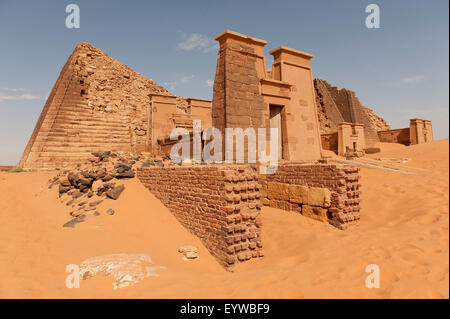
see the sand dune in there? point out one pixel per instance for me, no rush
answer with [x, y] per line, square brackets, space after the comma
[403, 229]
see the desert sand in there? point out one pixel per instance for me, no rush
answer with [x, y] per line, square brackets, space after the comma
[403, 229]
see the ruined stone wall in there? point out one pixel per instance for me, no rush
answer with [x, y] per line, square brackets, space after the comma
[325, 192]
[218, 203]
[395, 136]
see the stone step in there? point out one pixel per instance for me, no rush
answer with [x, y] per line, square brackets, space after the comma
[103, 144]
[88, 138]
[89, 121]
[64, 127]
[60, 138]
[87, 148]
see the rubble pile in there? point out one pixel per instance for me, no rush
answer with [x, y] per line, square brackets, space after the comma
[86, 185]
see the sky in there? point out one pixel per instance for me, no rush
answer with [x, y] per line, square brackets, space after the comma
[401, 70]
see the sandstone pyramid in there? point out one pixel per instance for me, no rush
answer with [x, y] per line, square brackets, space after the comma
[96, 104]
[341, 105]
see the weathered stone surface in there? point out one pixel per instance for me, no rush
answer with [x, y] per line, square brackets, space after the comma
[278, 191]
[298, 194]
[317, 213]
[114, 193]
[319, 197]
[189, 252]
[110, 211]
[96, 186]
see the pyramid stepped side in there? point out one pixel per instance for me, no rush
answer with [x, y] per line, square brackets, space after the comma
[341, 105]
[97, 104]
[68, 130]
[328, 112]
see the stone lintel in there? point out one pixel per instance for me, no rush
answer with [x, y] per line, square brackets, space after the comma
[288, 51]
[229, 35]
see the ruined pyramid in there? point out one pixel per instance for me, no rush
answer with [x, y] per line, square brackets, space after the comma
[96, 104]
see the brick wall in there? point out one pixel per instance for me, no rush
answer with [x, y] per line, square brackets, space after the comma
[339, 207]
[218, 203]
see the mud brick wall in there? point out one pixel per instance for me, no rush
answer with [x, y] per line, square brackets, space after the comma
[220, 204]
[395, 136]
[325, 192]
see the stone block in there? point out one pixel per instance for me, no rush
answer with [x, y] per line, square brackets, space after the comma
[277, 191]
[314, 212]
[298, 194]
[319, 197]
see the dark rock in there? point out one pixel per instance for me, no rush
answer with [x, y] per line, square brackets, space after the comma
[86, 182]
[90, 194]
[74, 221]
[82, 203]
[105, 154]
[115, 192]
[77, 194]
[63, 189]
[160, 164]
[125, 174]
[147, 164]
[107, 178]
[95, 203]
[110, 211]
[73, 178]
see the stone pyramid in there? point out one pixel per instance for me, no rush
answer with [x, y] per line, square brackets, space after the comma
[96, 104]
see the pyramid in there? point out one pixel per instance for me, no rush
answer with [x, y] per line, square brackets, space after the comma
[341, 105]
[96, 104]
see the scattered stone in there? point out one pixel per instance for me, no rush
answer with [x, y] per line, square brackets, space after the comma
[115, 192]
[63, 189]
[107, 178]
[95, 203]
[189, 252]
[110, 211]
[74, 221]
[96, 186]
[125, 174]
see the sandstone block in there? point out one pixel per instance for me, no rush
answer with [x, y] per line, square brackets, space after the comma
[277, 191]
[319, 197]
[298, 194]
[317, 213]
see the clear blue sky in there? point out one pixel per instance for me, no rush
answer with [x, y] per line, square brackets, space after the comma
[399, 70]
